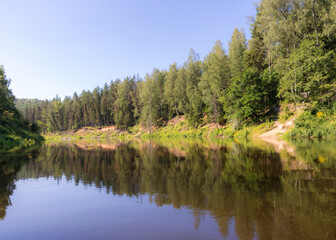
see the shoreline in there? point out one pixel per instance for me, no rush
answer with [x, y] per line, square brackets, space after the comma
[179, 127]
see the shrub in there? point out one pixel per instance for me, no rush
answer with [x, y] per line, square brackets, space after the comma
[310, 125]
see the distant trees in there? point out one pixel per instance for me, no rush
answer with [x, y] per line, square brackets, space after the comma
[289, 58]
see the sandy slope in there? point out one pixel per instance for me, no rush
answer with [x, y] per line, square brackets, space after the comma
[280, 128]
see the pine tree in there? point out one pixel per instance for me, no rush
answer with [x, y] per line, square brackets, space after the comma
[237, 48]
[193, 74]
[170, 91]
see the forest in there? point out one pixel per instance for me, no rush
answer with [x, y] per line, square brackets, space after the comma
[290, 59]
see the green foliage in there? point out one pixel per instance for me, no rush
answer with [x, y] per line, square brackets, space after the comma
[193, 77]
[124, 107]
[250, 96]
[154, 107]
[255, 55]
[309, 125]
[14, 129]
[310, 74]
[285, 114]
[237, 48]
[215, 80]
[171, 91]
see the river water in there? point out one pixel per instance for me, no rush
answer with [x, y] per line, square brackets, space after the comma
[171, 189]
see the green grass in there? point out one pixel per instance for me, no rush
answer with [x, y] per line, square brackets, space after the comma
[178, 131]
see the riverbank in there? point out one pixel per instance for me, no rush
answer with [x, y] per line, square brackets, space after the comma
[293, 123]
[13, 140]
[178, 127]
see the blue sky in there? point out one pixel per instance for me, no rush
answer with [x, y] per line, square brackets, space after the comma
[51, 47]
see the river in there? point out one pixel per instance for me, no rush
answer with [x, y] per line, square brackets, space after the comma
[170, 189]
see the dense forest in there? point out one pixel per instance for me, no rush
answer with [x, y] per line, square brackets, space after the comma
[290, 59]
[14, 129]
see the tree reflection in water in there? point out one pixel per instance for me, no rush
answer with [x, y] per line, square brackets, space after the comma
[10, 165]
[269, 193]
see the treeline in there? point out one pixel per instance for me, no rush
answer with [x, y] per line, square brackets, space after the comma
[290, 58]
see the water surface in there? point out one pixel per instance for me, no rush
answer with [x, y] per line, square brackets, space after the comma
[170, 190]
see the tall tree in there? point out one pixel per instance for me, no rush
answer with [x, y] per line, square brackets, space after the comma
[237, 47]
[78, 114]
[96, 103]
[256, 53]
[181, 91]
[152, 99]
[170, 90]
[193, 76]
[105, 111]
[214, 81]
[124, 109]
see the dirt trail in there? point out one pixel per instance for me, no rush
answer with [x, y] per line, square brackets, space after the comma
[280, 128]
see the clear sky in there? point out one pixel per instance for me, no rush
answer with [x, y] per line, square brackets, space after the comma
[50, 47]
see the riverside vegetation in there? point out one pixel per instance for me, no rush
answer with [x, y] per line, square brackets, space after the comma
[15, 131]
[289, 60]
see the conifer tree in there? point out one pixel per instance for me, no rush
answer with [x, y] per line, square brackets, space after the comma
[237, 48]
[215, 79]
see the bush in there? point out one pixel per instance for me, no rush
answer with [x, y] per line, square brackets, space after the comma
[309, 125]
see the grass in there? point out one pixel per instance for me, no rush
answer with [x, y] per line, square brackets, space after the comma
[286, 112]
[179, 130]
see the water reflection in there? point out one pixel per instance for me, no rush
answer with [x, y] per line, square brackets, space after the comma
[10, 165]
[270, 191]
